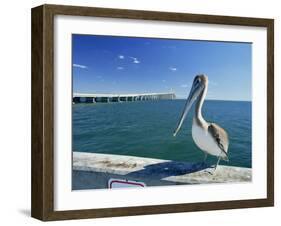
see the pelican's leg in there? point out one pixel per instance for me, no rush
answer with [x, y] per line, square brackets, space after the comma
[215, 167]
[219, 158]
[205, 165]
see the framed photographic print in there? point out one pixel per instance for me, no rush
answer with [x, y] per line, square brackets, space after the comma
[141, 112]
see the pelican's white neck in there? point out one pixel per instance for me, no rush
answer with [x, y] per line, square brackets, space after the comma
[198, 108]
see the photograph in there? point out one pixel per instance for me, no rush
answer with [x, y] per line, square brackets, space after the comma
[152, 111]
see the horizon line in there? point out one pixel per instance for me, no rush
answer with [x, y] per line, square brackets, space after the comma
[218, 100]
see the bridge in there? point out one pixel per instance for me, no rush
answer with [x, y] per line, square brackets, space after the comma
[106, 98]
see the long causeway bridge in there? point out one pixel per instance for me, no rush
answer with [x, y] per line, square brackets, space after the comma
[105, 98]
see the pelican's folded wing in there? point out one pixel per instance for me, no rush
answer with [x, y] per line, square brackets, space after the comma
[220, 136]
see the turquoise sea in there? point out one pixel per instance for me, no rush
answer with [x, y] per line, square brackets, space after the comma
[145, 129]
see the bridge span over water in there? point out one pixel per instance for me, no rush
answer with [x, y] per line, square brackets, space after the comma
[105, 98]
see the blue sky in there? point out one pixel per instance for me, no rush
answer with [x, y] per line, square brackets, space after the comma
[107, 64]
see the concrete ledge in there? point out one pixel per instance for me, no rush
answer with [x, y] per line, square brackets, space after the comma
[91, 170]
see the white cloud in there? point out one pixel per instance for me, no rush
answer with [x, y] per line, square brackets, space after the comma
[213, 83]
[121, 57]
[80, 66]
[119, 68]
[173, 68]
[135, 60]
[184, 85]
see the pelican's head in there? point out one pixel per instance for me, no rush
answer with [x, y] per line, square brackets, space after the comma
[199, 83]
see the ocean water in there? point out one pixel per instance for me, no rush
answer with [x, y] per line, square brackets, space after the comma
[146, 128]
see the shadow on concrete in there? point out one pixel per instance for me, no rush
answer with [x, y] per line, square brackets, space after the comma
[166, 169]
[151, 175]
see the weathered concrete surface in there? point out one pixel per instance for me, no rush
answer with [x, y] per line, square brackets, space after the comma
[91, 170]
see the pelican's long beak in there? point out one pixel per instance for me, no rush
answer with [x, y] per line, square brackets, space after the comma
[193, 94]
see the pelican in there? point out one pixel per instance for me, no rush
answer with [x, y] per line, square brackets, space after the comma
[208, 136]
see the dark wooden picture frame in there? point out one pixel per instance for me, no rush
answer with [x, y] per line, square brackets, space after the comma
[42, 203]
